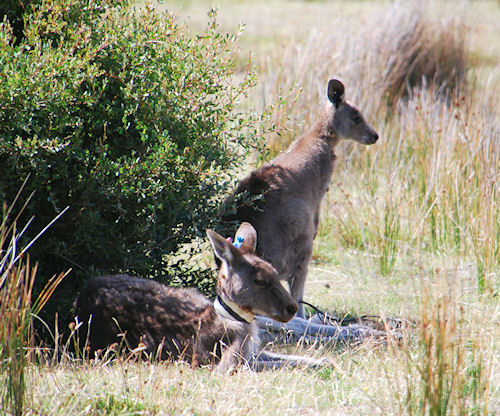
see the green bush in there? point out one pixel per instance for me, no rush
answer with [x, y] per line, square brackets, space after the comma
[13, 10]
[127, 118]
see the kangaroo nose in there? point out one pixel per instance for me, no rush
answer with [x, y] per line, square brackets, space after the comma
[291, 309]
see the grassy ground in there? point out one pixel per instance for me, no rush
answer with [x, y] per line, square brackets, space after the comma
[410, 227]
[366, 379]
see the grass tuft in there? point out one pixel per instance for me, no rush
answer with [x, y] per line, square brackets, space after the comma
[413, 50]
[17, 277]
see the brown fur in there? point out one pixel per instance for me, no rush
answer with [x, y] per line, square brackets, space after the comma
[282, 199]
[181, 323]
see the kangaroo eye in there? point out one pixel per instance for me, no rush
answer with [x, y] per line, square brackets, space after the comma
[357, 119]
[259, 282]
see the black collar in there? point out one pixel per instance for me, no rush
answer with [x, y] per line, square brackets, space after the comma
[229, 310]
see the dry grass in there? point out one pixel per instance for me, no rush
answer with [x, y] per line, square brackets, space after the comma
[449, 368]
[410, 226]
[158, 389]
[381, 60]
[430, 187]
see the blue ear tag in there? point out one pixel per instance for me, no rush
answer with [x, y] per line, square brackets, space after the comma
[238, 242]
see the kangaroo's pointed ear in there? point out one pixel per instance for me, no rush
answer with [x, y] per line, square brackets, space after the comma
[246, 238]
[223, 248]
[336, 92]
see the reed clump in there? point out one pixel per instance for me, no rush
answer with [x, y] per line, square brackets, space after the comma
[411, 49]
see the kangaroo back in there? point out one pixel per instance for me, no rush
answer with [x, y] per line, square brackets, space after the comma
[128, 310]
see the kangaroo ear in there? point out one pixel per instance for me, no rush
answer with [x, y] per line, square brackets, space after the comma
[336, 92]
[246, 238]
[223, 248]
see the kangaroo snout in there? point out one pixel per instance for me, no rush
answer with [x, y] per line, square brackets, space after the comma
[288, 312]
[292, 309]
[373, 138]
[369, 136]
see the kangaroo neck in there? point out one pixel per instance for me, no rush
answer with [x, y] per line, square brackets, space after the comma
[316, 141]
[313, 151]
[230, 310]
[323, 130]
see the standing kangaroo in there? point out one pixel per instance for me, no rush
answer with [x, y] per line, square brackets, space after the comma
[282, 199]
[181, 323]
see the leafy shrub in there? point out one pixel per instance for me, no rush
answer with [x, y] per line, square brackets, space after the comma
[126, 118]
[14, 10]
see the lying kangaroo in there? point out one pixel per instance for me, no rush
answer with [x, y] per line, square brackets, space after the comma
[181, 323]
[282, 199]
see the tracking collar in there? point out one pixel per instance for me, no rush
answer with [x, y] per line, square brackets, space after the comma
[231, 310]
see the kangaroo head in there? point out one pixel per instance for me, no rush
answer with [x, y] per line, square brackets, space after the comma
[247, 280]
[347, 121]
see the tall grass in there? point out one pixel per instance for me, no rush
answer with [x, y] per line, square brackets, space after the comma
[446, 369]
[17, 277]
[15, 335]
[394, 51]
[431, 185]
